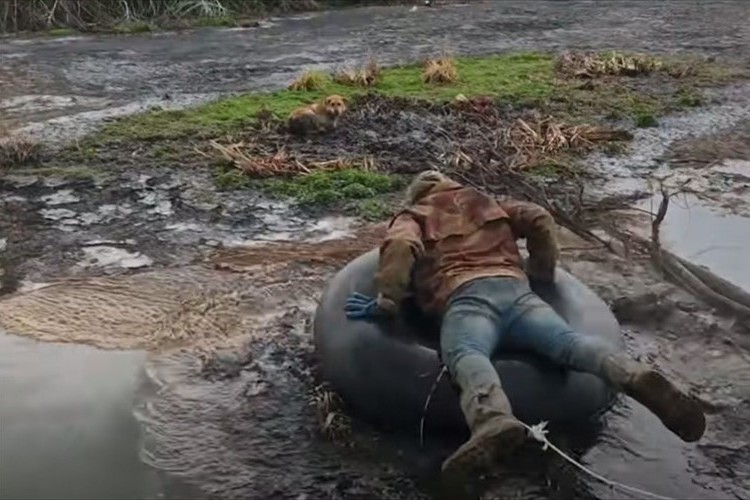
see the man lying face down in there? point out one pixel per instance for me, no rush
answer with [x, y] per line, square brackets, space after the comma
[453, 249]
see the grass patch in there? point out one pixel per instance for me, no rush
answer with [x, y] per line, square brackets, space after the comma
[646, 120]
[517, 78]
[374, 209]
[327, 188]
[322, 188]
[80, 173]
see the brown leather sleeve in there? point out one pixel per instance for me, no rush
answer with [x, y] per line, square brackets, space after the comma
[400, 249]
[535, 224]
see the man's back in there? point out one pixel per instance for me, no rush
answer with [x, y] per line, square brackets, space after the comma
[466, 235]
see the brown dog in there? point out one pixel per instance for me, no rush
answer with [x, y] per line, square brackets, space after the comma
[317, 117]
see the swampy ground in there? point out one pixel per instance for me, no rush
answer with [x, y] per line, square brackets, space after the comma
[159, 242]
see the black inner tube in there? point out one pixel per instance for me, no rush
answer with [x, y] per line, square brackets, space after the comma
[385, 372]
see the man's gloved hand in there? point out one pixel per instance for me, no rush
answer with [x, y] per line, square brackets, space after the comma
[360, 306]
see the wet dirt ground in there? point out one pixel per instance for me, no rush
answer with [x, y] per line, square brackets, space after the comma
[233, 419]
[72, 82]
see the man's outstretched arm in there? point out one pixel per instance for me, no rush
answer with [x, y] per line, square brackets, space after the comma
[400, 249]
[535, 224]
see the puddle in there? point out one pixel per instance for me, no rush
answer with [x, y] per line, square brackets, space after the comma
[68, 429]
[637, 451]
[707, 236]
[710, 235]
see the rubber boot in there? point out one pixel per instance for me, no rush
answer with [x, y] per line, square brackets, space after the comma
[495, 432]
[678, 411]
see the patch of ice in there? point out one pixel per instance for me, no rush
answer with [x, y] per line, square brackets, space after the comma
[62, 197]
[106, 256]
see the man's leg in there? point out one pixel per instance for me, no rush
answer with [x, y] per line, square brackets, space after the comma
[534, 325]
[469, 335]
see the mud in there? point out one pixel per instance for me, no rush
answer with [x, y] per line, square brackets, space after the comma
[62, 87]
[231, 414]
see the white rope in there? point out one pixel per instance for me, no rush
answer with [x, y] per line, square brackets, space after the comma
[539, 433]
[427, 404]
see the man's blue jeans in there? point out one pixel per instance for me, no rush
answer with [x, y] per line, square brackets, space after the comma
[488, 314]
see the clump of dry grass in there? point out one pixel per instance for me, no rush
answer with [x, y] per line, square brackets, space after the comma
[539, 137]
[258, 163]
[18, 150]
[367, 76]
[309, 80]
[333, 422]
[590, 65]
[440, 71]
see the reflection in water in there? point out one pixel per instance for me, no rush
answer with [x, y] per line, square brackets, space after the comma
[708, 237]
[67, 425]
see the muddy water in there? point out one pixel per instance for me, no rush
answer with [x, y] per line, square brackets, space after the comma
[68, 429]
[59, 86]
[714, 229]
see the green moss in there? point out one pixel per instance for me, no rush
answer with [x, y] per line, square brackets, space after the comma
[646, 120]
[131, 28]
[63, 172]
[230, 178]
[516, 78]
[688, 98]
[374, 209]
[60, 32]
[327, 188]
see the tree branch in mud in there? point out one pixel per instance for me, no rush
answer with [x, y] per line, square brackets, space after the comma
[698, 280]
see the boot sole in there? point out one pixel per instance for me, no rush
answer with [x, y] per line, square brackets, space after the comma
[679, 412]
[481, 453]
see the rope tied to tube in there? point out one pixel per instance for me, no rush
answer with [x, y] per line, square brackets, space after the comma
[539, 433]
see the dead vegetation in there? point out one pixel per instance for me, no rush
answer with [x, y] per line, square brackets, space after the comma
[408, 135]
[591, 65]
[366, 76]
[540, 138]
[257, 162]
[18, 150]
[333, 423]
[308, 81]
[440, 71]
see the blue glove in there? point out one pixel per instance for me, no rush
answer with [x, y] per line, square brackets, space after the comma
[359, 306]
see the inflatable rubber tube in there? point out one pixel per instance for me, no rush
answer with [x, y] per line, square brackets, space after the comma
[386, 376]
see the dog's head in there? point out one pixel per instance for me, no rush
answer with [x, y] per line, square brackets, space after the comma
[335, 105]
